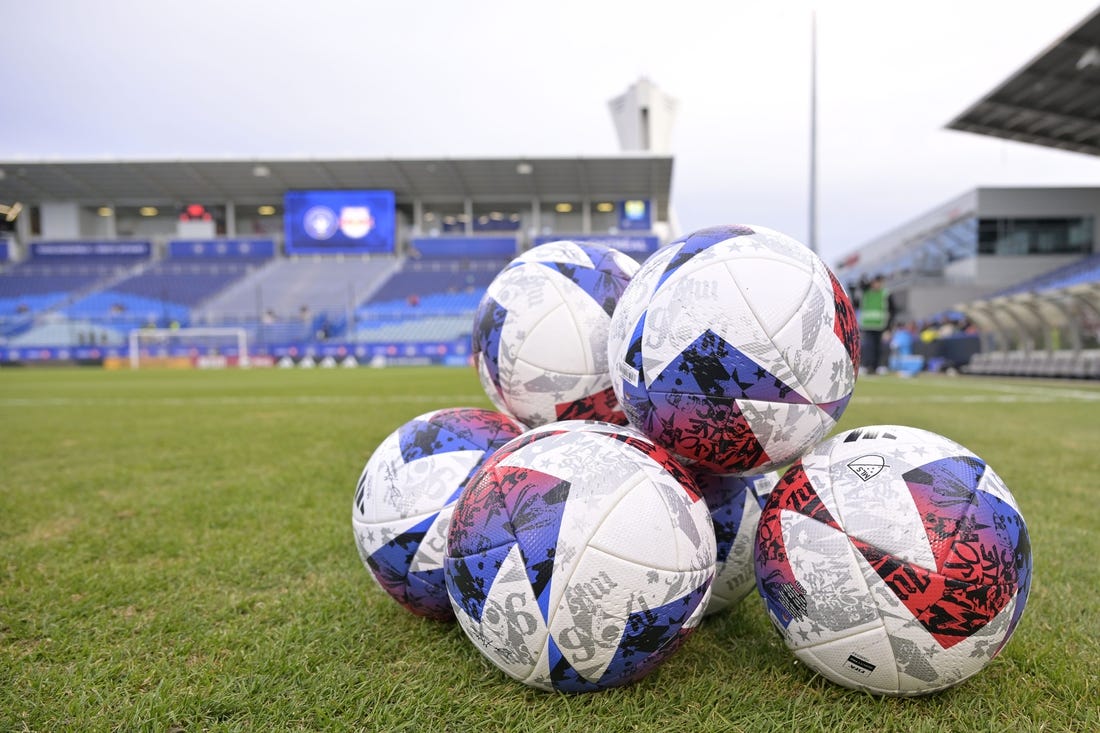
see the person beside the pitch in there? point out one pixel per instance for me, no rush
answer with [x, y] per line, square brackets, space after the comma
[875, 307]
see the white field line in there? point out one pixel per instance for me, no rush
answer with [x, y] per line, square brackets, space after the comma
[973, 399]
[1017, 392]
[443, 400]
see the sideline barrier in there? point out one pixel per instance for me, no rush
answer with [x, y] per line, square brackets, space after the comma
[443, 353]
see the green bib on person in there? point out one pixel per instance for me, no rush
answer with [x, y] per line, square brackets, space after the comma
[872, 311]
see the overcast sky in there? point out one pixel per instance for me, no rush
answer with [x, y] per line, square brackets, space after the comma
[253, 79]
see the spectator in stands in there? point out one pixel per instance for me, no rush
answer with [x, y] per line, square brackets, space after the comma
[930, 332]
[902, 339]
[876, 309]
[324, 330]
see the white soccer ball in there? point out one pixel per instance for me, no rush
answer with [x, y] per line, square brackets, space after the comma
[735, 348]
[579, 557]
[540, 333]
[405, 496]
[734, 503]
[893, 560]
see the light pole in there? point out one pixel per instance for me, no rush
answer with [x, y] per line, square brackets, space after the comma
[812, 238]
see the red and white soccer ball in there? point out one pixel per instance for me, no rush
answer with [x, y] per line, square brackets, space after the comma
[893, 560]
[735, 348]
[579, 557]
[540, 333]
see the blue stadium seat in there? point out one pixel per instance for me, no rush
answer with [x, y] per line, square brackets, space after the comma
[1085, 270]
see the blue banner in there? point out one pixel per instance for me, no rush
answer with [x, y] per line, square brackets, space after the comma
[637, 246]
[218, 248]
[634, 215]
[450, 353]
[5, 252]
[41, 250]
[458, 247]
[25, 354]
[348, 222]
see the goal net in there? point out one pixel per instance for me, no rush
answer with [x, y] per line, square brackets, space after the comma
[188, 347]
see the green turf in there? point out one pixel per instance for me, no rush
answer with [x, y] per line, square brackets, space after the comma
[176, 554]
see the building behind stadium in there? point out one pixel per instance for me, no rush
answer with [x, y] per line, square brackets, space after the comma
[1017, 267]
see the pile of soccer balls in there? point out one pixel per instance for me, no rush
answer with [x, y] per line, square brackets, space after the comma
[626, 486]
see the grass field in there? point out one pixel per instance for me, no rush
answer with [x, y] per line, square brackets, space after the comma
[176, 554]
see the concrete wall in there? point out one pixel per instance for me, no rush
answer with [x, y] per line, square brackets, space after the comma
[999, 271]
[922, 301]
[60, 219]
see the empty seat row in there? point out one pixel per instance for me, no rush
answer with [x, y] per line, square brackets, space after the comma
[1065, 364]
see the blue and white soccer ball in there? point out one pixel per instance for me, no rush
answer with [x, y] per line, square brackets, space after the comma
[893, 560]
[540, 333]
[734, 503]
[405, 496]
[735, 348]
[579, 557]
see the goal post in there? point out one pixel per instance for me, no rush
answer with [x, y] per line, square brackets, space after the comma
[227, 345]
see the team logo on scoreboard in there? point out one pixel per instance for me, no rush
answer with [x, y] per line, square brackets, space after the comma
[356, 221]
[320, 222]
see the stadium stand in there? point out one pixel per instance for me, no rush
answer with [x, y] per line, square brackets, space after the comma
[1082, 271]
[426, 300]
[431, 328]
[36, 286]
[367, 260]
[65, 332]
[285, 285]
[162, 293]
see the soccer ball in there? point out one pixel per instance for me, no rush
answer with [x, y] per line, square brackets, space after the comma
[579, 557]
[735, 348]
[893, 560]
[540, 333]
[406, 494]
[734, 503]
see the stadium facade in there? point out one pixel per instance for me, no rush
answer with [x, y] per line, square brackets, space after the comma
[521, 198]
[976, 244]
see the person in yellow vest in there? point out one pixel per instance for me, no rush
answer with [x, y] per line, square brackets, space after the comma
[875, 307]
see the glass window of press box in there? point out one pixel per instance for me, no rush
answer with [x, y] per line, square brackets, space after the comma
[1069, 235]
[447, 219]
[561, 217]
[259, 219]
[498, 218]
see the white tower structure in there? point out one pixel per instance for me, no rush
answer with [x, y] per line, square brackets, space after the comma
[643, 118]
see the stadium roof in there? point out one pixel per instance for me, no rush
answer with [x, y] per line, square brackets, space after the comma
[1054, 100]
[439, 179]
